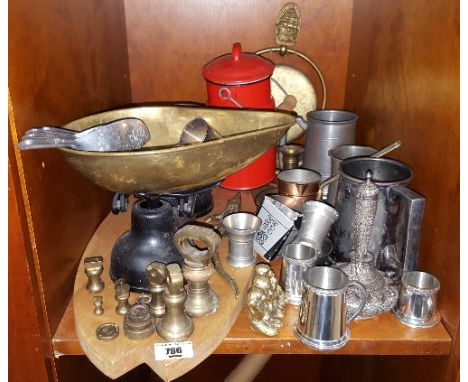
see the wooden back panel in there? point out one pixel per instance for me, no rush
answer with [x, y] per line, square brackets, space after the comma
[170, 42]
[66, 60]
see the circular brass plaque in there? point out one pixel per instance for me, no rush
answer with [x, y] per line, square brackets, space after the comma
[287, 80]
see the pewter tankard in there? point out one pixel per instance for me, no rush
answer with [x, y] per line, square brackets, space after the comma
[326, 129]
[322, 317]
[417, 305]
[396, 231]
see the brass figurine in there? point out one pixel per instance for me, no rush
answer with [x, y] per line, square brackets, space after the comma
[288, 25]
[98, 309]
[175, 325]
[122, 294]
[198, 268]
[157, 275]
[94, 267]
[265, 302]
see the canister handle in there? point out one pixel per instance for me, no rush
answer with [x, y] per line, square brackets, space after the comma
[413, 213]
[363, 296]
[225, 95]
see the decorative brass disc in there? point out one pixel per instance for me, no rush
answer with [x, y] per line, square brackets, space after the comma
[287, 80]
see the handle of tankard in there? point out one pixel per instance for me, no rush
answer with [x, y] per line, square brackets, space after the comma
[363, 296]
[411, 217]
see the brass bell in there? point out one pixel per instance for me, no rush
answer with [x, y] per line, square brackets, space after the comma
[175, 325]
[198, 268]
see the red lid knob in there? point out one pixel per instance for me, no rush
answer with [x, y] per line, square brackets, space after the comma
[236, 51]
[238, 68]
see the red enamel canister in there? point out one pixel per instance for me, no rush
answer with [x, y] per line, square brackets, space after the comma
[242, 80]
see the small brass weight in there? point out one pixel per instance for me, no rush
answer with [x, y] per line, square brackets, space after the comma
[122, 294]
[157, 275]
[98, 309]
[94, 267]
[175, 325]
[198, 268]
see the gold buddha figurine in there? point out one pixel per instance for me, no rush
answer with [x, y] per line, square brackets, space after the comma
[265, 302]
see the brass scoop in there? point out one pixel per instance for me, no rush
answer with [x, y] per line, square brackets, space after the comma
[120, 135]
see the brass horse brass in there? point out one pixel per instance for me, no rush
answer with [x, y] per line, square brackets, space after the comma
[288, 25]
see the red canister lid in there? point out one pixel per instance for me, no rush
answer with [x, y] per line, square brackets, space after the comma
[238, 68]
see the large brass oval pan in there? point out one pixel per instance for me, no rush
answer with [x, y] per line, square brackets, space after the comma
[159, 167]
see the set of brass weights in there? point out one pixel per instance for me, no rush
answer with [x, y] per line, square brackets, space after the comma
[169, 301]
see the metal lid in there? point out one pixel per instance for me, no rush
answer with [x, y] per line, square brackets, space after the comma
[238, 68]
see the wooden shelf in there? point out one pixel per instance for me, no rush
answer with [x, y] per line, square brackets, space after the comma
[380, 336]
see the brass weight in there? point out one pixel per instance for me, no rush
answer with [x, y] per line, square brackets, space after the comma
[175, 325]
[157, 275]
[198, 268]
[94, 267]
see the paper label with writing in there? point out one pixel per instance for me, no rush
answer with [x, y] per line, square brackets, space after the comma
[173, 350]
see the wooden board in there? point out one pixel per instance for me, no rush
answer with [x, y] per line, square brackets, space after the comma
[116, 357]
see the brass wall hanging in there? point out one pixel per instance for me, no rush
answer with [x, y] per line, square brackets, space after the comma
[287, 80]
[288, 25]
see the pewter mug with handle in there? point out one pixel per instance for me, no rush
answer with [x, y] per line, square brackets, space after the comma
[322, 322]
[417, 304]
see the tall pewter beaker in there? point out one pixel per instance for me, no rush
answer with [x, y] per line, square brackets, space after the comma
[326, 129]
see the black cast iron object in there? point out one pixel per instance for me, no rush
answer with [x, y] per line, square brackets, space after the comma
[149, 239]
[154, 220]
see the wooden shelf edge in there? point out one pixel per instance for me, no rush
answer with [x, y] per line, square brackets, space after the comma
[366, 339]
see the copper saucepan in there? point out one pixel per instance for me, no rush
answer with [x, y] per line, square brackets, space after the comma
[299, 182]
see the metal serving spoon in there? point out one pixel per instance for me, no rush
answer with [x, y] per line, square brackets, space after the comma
[120, 135]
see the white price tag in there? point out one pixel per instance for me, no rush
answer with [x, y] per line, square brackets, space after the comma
[173, 350]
